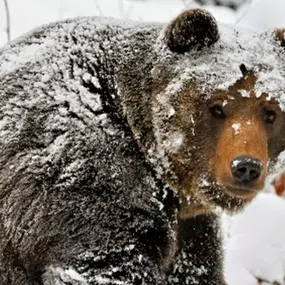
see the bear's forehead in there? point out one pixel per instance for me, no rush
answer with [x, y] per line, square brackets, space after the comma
[218, 67]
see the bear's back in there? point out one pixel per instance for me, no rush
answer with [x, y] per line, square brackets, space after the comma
[67, 154]
[59, 94]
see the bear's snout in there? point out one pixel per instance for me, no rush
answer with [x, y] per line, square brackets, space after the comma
[246, 171]
[240, 162]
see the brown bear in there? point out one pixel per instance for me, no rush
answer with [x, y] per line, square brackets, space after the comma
[119, 142]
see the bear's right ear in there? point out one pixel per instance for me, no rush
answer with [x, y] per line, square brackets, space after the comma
[192, 29]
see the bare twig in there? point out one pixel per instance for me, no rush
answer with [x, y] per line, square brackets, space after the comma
[186, 3]
[98, 8]
[121, 8]
[8, 23]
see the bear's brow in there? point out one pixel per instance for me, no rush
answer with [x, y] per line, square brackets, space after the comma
[220, 97]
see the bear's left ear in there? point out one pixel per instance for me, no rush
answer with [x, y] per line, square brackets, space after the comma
[192, 29]
[279, 35]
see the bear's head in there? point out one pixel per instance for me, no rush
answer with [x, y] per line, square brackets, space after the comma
[217, 102]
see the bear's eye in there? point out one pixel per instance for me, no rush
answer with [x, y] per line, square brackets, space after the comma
[218, 112]
[269, 116]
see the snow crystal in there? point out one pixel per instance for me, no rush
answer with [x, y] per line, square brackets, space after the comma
[235, 163]
[57, 275]
[281, 156]
[236, 127]
[163, 99]
[174, 141]
[225, 102]
[204, 183]
[104, 280]
[87, 77]
[174, 87]
[46, 78]
[129, 247]
[74, 275]
[30, 53]
[165, 192]
[95, 82]
[160, 204]
[201, 270]
[244, 93]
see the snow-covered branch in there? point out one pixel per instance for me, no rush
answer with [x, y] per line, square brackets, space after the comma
[8, 24]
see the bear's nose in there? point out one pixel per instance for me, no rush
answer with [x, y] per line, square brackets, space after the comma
[246, 170]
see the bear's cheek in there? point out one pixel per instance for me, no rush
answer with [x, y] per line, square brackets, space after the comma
[189, 161]
[240, 139]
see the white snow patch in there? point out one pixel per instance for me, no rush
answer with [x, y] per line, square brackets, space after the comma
[46, 78]
[168, 109]
[129, 247]
[104, 280]
[174, 141]
[236, 127]
[244, 93]
[60, 276]
[204, 183]
[74, 275]
[29, 53]
[235, 163]
[255, 243]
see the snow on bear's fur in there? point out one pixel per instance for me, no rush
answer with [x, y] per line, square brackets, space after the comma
[117, 143]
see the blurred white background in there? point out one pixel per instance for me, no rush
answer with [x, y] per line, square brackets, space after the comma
[27, 14]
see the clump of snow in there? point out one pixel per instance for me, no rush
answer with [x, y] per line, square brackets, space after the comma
[59, 276]
[244, 93]
[204, 183]
[12, 61]
[104, 280]
[237, 128]
[163, 99]
[174, 141]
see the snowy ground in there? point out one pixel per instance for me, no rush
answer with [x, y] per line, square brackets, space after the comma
[255, 242]
[255, 239]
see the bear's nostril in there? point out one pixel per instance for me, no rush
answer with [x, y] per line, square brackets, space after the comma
[246, 170]
[253, 174]
[240, 171]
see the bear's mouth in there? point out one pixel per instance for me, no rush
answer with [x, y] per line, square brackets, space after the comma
[230, 197]
[241, 190]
